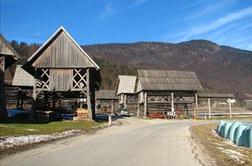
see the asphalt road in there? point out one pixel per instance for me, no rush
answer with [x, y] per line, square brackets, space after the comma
[135, 143]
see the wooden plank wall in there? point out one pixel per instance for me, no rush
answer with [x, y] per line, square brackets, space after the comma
[62, 53]
[61, 79]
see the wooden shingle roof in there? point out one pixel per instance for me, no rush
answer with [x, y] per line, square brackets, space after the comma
[8, 52]
[161, 80]
[126, 84]
[22, 78]
[105, 94]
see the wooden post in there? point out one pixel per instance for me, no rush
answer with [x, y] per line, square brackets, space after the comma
[196, 105]
[22, 100]
[90, 115]
[145, 104]
[209, 108]
[96, 106]
[54, 102]
[60, 102]
[18, 99]
[46, 104]
[229, 107]
[124, 101]
[110, 120]
[34, 98]
[172, 101]
[112, 107]
[3, 111]
[138, 109]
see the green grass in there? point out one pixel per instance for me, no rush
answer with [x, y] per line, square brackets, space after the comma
[18, 129]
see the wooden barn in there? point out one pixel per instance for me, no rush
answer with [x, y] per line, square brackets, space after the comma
[106, 101]
[126, 93]
[21, 90]
[165, 92]
[62, 69]
[8, 56]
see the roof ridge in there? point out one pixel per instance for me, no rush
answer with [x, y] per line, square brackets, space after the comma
[61, 28]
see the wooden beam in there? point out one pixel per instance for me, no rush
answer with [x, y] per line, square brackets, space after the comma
[209, 108]
[125, 101]
[3, 111]
[112, 106]
[145, 104]
[54, 101]
[138, 109]
[90, 113]
[196, 106]
[22, 101]
[96, 106]
[172, 101]
[230, 108]
[34, 98]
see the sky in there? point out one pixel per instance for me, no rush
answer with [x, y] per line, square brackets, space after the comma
[225, 22]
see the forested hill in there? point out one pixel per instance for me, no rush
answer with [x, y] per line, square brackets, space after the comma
[219, 68]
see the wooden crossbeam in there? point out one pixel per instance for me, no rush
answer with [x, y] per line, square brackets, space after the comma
[43, 85]
[45, 73]
[82, 79]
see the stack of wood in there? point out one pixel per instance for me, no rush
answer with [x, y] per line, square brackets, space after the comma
[44, 116]
[81, 114]
[157, 115]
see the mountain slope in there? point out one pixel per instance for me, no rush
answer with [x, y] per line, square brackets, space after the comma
[219, 68]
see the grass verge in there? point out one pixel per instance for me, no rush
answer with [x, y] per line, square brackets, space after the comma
[18, 129]
[223, 152]
[235, 117]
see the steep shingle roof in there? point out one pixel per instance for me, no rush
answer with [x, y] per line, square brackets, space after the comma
[8, 52]
[126, 84]
[105, 94]
[158, 80]
[22, 78]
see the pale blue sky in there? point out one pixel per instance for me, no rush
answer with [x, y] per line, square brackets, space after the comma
[226, 22]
